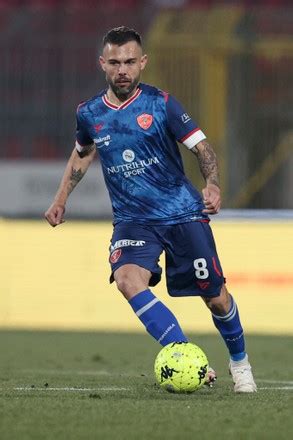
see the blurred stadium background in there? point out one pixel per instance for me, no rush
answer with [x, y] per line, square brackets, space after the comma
[230, 63]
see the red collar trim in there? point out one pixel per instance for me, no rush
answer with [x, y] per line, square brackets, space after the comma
[125, 104]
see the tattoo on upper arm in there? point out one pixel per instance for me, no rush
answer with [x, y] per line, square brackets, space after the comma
[207, 162]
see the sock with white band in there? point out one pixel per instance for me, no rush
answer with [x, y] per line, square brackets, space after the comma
[231, 331]
[157, 318]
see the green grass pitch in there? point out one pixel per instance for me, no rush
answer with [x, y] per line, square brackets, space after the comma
[74, 385]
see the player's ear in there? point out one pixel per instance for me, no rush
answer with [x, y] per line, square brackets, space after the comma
[102, 62]
[143, 61]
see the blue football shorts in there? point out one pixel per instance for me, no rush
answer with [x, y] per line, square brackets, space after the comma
[192, 264]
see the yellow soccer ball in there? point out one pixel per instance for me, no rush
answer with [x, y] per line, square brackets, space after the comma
[181, 367]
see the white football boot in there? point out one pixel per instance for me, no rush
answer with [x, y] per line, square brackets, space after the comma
[242, 376]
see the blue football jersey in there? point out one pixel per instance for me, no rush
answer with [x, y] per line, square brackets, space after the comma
[141, 162]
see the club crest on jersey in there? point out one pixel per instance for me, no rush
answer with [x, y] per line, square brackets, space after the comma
[145, 121]
[114, 257]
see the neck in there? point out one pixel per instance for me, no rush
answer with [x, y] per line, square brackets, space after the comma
[119, 99]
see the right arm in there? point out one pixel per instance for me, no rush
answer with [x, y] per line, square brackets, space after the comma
[76, 168]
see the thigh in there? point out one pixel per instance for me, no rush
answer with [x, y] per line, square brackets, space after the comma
[192, 263]
[135, 244]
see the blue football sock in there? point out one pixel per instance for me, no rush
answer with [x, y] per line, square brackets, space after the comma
[231, 331]
[157, 318]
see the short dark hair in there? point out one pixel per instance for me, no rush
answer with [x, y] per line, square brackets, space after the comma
[121, 35]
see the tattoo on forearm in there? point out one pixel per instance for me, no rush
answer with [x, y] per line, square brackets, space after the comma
[207, 162]
[75, 177]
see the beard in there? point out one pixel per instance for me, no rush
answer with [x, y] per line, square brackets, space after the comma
[123, 92]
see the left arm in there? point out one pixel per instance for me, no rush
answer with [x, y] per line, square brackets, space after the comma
[208, 166]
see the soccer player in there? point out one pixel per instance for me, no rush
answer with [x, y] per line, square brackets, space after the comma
[135, 128]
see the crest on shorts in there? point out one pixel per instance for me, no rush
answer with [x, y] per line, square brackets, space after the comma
[115, 255]
[145, 121]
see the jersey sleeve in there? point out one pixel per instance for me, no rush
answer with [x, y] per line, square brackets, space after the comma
[181, 125]
[83, 140]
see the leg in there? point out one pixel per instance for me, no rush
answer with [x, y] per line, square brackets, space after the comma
[193, 268]
[226, 319]
[158, 319]
[132, 281]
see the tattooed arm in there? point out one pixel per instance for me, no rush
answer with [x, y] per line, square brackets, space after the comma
[76, 168]
[209, 169]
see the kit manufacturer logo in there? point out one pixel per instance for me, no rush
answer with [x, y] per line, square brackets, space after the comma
[103, 141]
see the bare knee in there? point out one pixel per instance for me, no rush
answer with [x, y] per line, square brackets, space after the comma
[131, 279]
[219, 305]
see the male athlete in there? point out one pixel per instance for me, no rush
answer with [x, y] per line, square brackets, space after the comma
[134, 127]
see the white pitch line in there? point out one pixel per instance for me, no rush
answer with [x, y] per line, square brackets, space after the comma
[258, 380]
[70, 389]
[70, 372]
[288, 382]
[107, 373]
[276, 388]
[110, 389]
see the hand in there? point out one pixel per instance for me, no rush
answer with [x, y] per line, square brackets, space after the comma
[54, 215]
[211, 199]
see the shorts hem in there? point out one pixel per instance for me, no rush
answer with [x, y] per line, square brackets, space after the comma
[178, 293]
[154, 279]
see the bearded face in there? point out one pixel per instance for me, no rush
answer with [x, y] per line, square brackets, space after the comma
[123, 66]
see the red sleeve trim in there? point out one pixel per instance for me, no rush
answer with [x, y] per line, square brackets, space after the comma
[189, 134]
